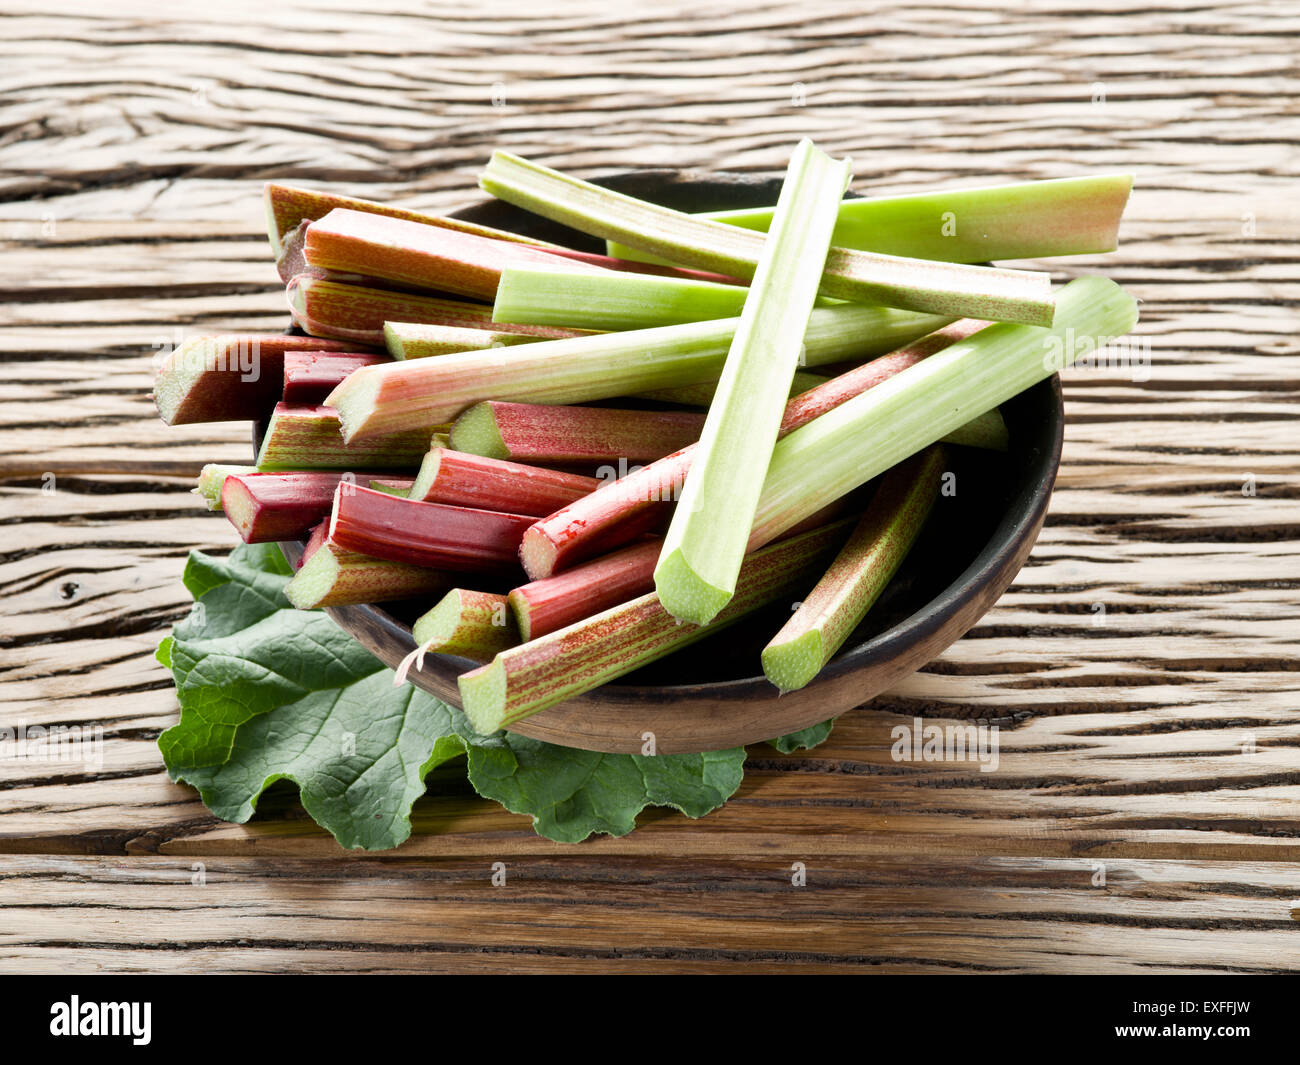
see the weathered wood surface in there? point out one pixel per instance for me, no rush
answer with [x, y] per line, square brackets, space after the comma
[1144, 665]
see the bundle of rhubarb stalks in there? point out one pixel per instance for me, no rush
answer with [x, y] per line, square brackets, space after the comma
[584, 462]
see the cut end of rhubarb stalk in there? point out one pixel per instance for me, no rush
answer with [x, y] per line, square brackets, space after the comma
[467, 623]
[240, 506]
[537, 554]
[313, 582]
[483, 697]
[212, 480]
[476, 432]
[355, 400]
[684, 593]
[793, 664]
[427, 474]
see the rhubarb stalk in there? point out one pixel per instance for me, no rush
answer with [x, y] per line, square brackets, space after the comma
[411, 340]
[912, 284]
[705, 544]
[465, 480]
[860, 572]
[877, 429]
[333, 576]
[310, 376]
[571, 534]
[309, 438]
[235, 377]
[287, 207]
[1025, 220]
[212, 479]
[564, 435]
[545, 671]
[410, 395]
[357, 313]
[541, 607]
[425, 534]
[467, 623]
[417, 255]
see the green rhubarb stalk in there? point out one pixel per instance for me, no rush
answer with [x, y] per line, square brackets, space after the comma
[912, 284]
[412, 340]
[1025, 220]
[421, 392]
[705, 543]
[334, 576]
[572, 660]
[610, 300]
[701, 395]
[308, 438]
[852, 443]
[212, 478]
[866, 564]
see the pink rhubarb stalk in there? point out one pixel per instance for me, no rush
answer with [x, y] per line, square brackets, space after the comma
[463, 480]
[536, 432]
[266, 507]
[234, 377]
[287, 207]
[310, 376]
[425, 534]
[417, 255]
[358, 313]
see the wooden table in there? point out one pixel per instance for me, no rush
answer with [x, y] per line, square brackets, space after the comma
[1143, 668]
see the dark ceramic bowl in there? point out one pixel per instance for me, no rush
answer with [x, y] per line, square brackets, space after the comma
[713, 695]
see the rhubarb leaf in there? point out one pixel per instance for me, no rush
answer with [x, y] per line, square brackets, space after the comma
[268, 693]
[572, 794]
[804, 739]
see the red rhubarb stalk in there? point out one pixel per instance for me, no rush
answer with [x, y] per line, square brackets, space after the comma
[536, 432]
[463, 480]
[358, 313]
[235, 377]
[592, 524]
[543, 606]
[425, 534]
[266, 507]
[310, 376]
[417, 255]
[287, 207]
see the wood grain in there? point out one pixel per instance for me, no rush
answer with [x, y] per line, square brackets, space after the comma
[1143, 667]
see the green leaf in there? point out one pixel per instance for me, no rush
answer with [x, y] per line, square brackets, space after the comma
[804, 739]
[268, 693]
[358, 753]
[571, 794]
